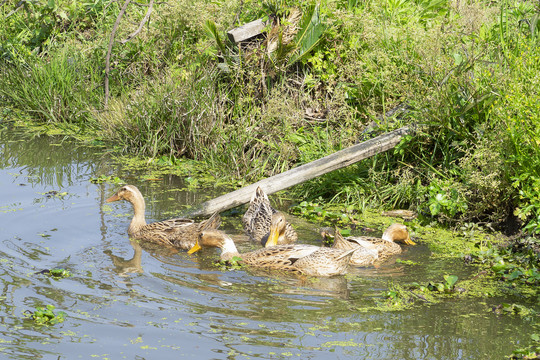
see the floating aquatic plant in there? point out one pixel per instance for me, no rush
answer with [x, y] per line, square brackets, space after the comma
[447, 286]
[56, 273]
[406, 262]
[234, 264]
[106, 179]
[531, 352]
[45, 315]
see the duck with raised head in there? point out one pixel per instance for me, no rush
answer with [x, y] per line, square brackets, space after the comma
[179, 232]
[384, 247]
[261, 217]
[302, 259]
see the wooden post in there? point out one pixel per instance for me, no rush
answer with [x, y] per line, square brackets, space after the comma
[304, 172]
[246, 31]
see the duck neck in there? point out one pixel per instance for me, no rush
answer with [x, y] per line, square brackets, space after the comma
[138, 220]
[387, 236]
[228, 249]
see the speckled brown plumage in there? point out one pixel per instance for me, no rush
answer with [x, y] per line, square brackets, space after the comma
[385, 247]
[260, 216]
[362, 256]
[179, 232]
[298, 258]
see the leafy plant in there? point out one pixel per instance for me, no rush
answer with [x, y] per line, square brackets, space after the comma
[309, 35]
[318, 213]
[518, 263]
[60, 273]
[56, 273]
[444, 199]
[234, 264]
[531, 352]
[45, 315]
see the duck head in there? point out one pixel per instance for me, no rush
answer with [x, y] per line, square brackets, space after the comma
[129, 193]
[277, 229]
[398, 233]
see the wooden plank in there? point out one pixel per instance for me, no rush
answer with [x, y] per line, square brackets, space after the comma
[246, 31]
[304, 172]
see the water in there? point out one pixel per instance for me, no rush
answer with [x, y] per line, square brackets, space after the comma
[134, 301]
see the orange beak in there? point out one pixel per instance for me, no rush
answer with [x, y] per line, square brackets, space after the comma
[408, 241]
[195, 248]
[272, 237]
[115, 197]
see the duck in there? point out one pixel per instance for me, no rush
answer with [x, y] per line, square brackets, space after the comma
[301, 259]
[362, 256]
[178, 232]
[261, 217]
[385, 247]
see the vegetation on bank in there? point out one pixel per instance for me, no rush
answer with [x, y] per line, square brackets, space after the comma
[463, 74]
[327, 75]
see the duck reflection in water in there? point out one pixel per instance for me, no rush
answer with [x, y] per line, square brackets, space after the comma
[125, 267]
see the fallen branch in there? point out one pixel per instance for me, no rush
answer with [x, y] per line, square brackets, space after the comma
[305, 172]
[144, 20]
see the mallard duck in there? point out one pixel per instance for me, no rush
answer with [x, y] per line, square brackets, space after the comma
[298, 258]
[261, 217]
[179, 232]
[385, 246]
[362, 256]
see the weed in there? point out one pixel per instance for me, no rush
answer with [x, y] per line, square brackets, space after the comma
[106, 179]
[45, 315]
[234, 264]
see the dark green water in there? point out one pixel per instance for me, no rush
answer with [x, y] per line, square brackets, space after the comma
[128, 302]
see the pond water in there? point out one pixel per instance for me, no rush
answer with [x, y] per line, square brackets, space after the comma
[127, 300]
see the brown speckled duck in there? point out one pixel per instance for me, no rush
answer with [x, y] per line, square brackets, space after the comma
[362, 256]
[297, 258]
[179, 232]
[260, 218]
[385, 246]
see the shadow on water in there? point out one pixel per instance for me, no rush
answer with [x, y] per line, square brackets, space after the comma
[136, 300]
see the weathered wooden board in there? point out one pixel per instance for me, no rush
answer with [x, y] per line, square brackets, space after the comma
[246, 31]
[305, 172]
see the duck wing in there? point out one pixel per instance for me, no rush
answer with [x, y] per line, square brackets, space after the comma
[258, 216]
[325, 262]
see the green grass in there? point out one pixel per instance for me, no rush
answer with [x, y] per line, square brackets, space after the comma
[464, 74]
[59, 89]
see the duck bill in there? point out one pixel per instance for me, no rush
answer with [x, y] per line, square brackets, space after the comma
[408, 241]
[195, 248]
[115, 197]
[272, 238]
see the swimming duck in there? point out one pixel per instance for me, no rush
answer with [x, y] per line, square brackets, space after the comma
[362, 256]
[385, 246]
[261, 217]
[298, 258]
[179, 232]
